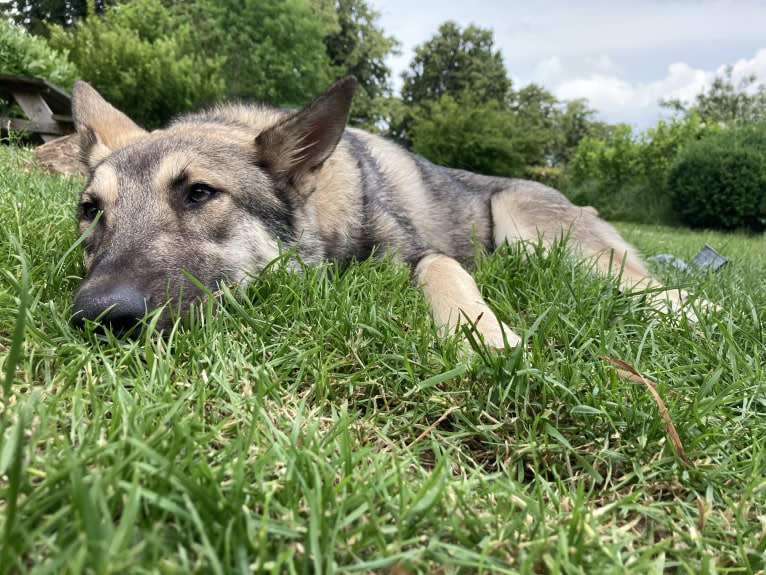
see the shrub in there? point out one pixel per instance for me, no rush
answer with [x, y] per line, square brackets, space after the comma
[466, 134]
[549, 175]
[612, 162]
[24, 54]
[720, 182]
[624, 174]
[142, 60]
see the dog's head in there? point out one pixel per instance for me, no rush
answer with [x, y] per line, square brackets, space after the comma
[171, 214]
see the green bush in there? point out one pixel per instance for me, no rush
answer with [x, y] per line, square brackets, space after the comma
[606, 173]
[624, 174]
[466, 134]
[720, 182]
[142, 60]
[24, 54]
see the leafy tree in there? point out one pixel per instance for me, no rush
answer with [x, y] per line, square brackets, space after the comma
[24, 54]
[573, 123]
[624, 174]
[37, 15]
[662, 144]
[286, 51]
[272, 50]
[142, 59]
[454, 62]
[357, 45]
[467, 134]
[727, 103]
[536, 111]
[464, 64]
[614, 162]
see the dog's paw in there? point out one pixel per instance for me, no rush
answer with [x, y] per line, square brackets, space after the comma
[492, 331]
[680, 302]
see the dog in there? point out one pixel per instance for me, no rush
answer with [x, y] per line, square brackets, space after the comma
[169, 216]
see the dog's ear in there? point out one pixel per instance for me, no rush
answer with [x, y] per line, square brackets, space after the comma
[303, 141]
[102, 127]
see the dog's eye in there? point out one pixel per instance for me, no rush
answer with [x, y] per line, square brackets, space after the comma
[198, 194]
[89, 209]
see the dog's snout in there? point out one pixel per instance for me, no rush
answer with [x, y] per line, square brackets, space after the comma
[118, 306]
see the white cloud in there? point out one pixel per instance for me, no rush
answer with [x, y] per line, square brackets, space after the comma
[755, 66]
[616, 52]
[603, 64]
[620, 100]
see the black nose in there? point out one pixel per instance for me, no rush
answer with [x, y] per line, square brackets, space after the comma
[118, 306]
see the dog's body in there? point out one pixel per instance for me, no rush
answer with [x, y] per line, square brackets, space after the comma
[217, 195]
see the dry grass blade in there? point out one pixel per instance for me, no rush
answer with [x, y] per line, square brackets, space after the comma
[433, 426]
[626, 371]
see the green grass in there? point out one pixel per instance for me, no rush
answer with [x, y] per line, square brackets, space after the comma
[319, 426]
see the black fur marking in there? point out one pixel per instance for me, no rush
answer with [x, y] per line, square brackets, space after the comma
[180, 180]
[381, 210]
[364, 243]
[278, 219]
[440, 182]
[448, 186]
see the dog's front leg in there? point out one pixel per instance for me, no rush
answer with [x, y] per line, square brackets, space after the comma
[454, 298]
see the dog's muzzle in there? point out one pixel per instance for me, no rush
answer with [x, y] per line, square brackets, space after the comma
[118, 306]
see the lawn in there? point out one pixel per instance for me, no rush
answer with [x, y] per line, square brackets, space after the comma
[319, 426]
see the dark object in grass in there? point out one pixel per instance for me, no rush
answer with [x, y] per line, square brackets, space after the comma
[707, 259]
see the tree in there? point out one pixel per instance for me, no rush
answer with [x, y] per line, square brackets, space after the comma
[720, 182]
[142, 59]
[573, 123]
[24, 54]
[468, 134]
[454, 62]
[536, 111]
[357, 45]
[37, 15]
[272, 50]
[727, 103]
[624, 174]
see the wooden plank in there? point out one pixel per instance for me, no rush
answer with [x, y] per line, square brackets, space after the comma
[34, 107]
[23, 83]
[64, 119]
[47, 106]
[32, 126]
[59, 100]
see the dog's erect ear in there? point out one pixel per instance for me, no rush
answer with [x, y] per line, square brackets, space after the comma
[303, 141]
[101, 126]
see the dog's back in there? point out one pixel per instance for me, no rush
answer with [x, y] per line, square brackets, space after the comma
[372, 194]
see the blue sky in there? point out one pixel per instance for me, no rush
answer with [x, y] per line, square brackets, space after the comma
[621, 55]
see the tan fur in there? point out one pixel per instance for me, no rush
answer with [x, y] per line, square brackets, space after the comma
[454, 299]
[523, 218]
[101, 126]
[103, 187]
[337, 193]
[399, 167]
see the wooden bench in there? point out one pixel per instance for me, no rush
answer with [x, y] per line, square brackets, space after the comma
[46, 106]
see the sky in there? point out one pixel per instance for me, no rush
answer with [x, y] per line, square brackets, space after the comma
[623, 56]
